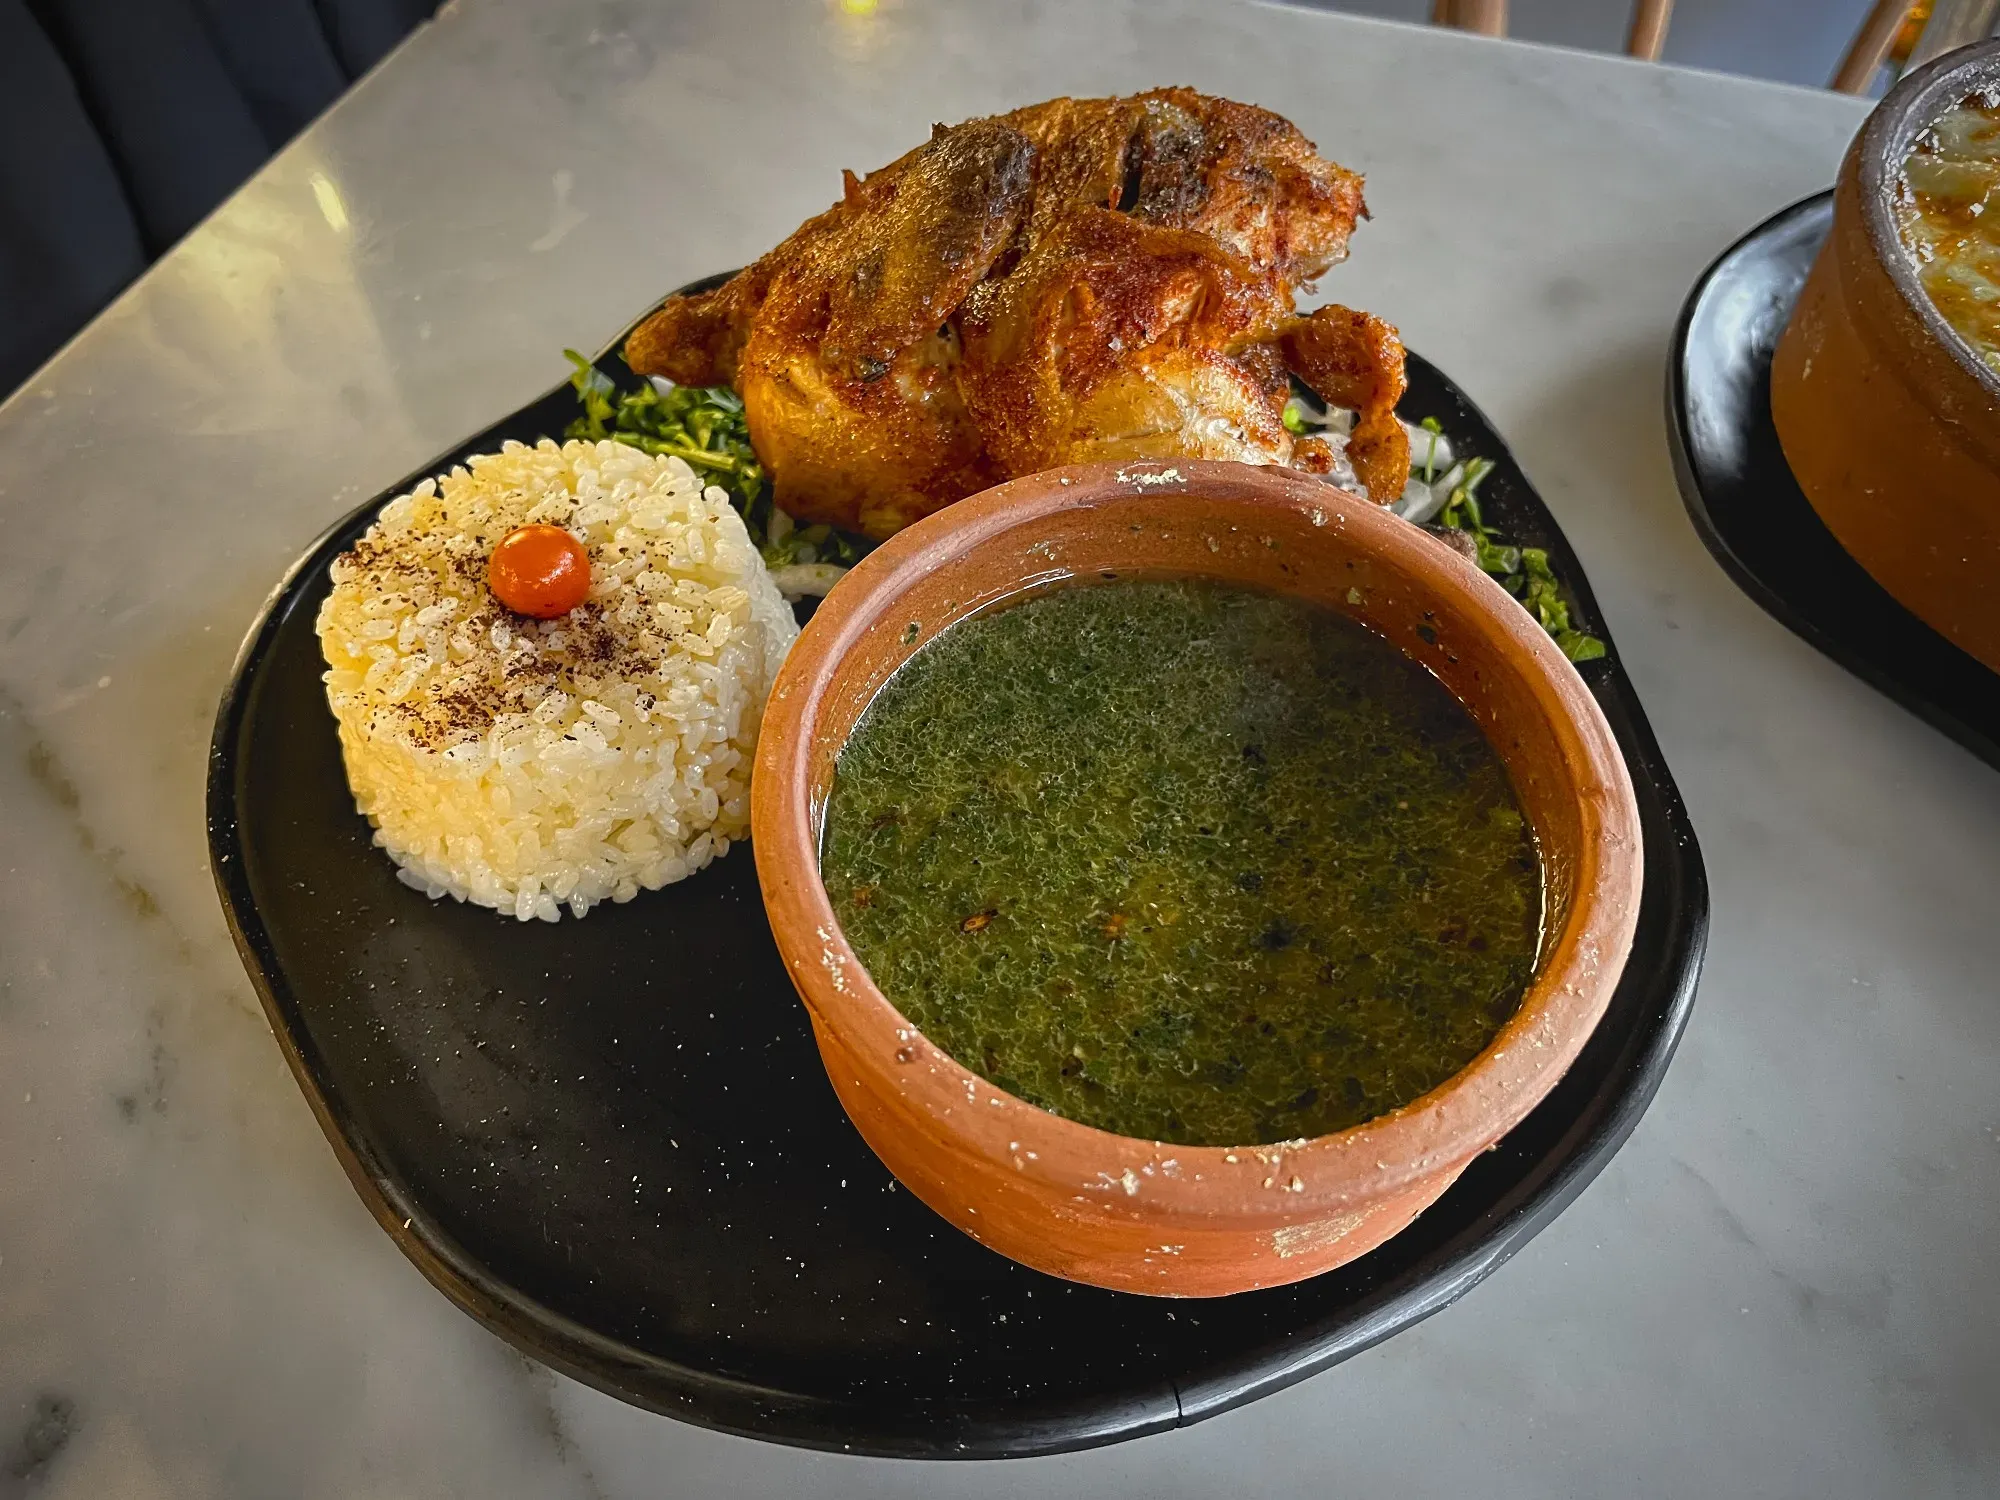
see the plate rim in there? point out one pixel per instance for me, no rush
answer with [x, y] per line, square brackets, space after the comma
[1175, 1397]
[1766, 594]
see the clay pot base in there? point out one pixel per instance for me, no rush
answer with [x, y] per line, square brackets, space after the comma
[782, 1289]
[1144, 1216]
[1750, 511]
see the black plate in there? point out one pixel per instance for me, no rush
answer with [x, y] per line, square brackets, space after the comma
[611, 1141]
[1753, 515]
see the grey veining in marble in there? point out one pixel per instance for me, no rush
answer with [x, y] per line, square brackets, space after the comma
[1783, 1286]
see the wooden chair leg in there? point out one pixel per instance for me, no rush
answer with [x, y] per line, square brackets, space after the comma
[1648, 36]
[1487, 17]
[1871, 45]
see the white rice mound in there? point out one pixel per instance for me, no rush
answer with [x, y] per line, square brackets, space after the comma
[530, 765]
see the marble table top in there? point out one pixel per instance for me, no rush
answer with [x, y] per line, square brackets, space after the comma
[1783, 1286]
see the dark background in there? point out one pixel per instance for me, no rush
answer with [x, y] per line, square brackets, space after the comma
[124, 122]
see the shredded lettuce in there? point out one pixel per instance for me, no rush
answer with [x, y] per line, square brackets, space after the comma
[1434, 427]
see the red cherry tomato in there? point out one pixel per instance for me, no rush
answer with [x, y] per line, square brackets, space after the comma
[539, 570]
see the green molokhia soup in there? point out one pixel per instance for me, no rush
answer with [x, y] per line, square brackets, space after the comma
[1184, 861]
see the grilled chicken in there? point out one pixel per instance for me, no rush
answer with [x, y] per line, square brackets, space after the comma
[1085, 278]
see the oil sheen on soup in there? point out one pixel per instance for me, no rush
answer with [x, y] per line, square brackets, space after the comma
[1184, 861]
[1949, 213]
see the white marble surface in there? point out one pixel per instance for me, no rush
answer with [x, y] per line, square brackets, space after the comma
[1783, 1286]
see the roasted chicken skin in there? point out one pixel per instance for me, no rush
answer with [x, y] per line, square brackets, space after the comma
[1084, 278]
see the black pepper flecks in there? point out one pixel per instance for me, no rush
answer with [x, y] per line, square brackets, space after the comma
[492, 662]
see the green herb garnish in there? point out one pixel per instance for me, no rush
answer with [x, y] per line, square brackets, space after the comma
[1523, 571]
[705, 427]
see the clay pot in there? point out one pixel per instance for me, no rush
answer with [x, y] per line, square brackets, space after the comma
[1139, 1215]
[1888, 420]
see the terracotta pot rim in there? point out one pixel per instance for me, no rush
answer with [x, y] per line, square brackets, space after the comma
[1905, 112]
[1438, 1132]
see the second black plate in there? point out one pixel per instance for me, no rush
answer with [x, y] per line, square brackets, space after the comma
[612, 1142]
[1751, 512]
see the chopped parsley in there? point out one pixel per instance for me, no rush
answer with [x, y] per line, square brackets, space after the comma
[1523, 571]
[704, 426]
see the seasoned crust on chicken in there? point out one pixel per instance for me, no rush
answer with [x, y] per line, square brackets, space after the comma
[1243, 176]
[1116, 338]
[1355, 359]
[1084, 278]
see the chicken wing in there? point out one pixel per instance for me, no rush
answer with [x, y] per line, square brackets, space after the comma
[1354, 359]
